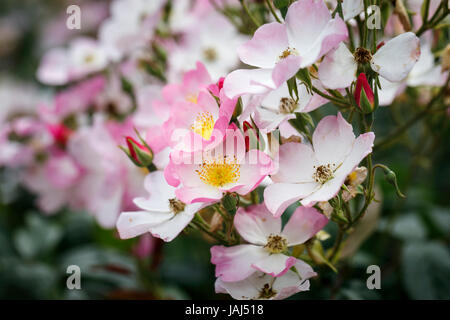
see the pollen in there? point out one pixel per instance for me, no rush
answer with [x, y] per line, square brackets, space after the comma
[210, 54]
[176, 206]
[218, 173]
[323, 173]
[191, 97]
[276, 244]
[362, 55]
[286, 53]
[351, 178]
[266, 292]
[287, 105]
[203, 125]
[89, 58]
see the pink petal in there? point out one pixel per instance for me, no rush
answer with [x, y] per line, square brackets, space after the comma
[170, 229]
[303, 224]
[132, 224]
[267, 44]
[286, 69]
[279, 196]
[311, 31]
[295, 163]
[397, 57]
[234, 263]
[198, 194]
[338, 68]
[255, 224]
[254, 81]
[333, 140]
[275, 265]
[361, 148]
[256, 166]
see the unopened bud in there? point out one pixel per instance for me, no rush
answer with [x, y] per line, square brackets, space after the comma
[140, 154]
[60, 133]
[364, 96]
[392, 179]
[229, 202]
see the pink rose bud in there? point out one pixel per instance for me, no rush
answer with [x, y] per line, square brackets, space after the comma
[215, 88]
[364, 95]
[250, 133]
[60, 133]
[380, 45]
[140, 154]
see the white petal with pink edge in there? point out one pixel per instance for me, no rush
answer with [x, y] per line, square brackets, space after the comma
[235, 263]
[256, 224]
[397, 57]
[303, 224]
[338, 68]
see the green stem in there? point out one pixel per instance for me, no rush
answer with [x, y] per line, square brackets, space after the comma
[400, 130]
[339, 102]
[272, 10]
[337, 244]
[244, 5]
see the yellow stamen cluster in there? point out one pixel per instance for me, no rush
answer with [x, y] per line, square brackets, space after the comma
[351, 178]
[203, 125]
[176, 206]
[276, 244]
[287, 105]
[266, 292]
[89, 58]
[362, 55]
[210, 54]
[286, 53]
[219, 172]
[323, 173]
[191, 97]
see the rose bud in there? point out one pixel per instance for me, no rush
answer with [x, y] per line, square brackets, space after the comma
[60, 133]
[364, 95]
[140, 154]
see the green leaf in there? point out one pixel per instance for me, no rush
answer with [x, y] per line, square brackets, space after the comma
[426, 270]
[303, 75]
[281, 3]
[37, 238]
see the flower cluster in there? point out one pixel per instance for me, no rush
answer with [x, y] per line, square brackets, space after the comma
[232, 153]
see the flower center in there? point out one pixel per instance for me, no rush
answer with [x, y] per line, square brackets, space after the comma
[286, 53]
[323, 173]
[191, 97]
[266, 292]
[362, 55]
[287, 105]
[176, 206]
[219, 173]
[210, 54]
[203, 125]
[89, 58]
[276, 244]
[351, 178]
